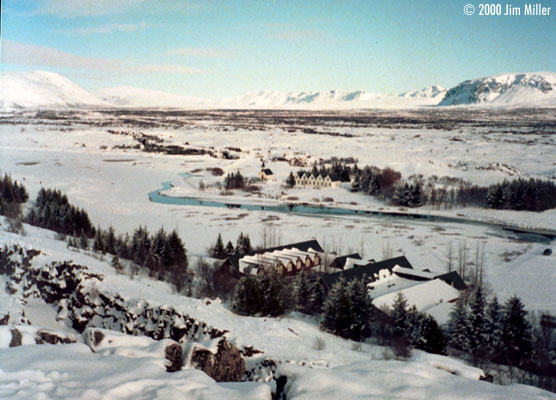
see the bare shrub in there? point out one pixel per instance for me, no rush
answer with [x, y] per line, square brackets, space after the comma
[215, 171]
[319, 343]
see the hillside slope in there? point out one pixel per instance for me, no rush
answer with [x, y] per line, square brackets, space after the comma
[527, 89]
[339, 370]
[42, 89]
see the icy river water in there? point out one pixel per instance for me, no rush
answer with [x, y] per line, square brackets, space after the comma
[528, 235]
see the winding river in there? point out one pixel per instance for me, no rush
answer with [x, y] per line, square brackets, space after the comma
[529, 235]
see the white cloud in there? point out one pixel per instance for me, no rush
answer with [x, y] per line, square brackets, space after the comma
[109, 28]
[81, 8]
[203, 52]
[94, 8]
[27, 54]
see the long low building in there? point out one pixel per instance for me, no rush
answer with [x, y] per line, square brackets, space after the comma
[286, 260]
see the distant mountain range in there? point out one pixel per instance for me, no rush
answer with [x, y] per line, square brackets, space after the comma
[40, 89]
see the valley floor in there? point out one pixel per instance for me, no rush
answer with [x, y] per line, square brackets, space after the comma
[102, 172]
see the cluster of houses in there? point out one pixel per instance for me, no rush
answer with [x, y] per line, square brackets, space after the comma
[427, 291]
[304, 179]
[321, 180]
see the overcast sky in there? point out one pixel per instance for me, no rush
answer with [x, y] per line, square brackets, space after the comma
[218, 49]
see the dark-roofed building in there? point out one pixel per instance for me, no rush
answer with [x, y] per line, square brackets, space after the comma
[266, 174]
[340, 261]
[301, 254]
[371, 271]
[453, 279]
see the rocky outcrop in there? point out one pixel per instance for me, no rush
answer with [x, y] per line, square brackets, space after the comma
[224, 365]
[110, 342]
[74, 290]
[27, 335]
[16, 338]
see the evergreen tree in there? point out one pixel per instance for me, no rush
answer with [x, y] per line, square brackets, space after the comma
[116, 264]
[265, 295]
[516, 332]
[248, 296]
[493, 329]
[83, 241]
[459, 327]
[317, 296]
[399, 316]
[110, 241]
[373, 185]
[416, 196]
[218, 248]
[290, 182]
[98, 242]
[433, 337]
[301, 293]
[478, 339]
[356, 183]
[495, 197]
[347, 312]
[337, 310]
[243, 244]
[277, 298]
[415, 325]
[362, 310]
[229, 248]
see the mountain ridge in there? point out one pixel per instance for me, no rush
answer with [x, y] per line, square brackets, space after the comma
[42, 89]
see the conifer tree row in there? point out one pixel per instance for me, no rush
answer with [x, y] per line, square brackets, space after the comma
[53, 211]
[12, 196]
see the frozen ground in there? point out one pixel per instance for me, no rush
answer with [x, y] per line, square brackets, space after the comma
[121, 370]
[74, 151]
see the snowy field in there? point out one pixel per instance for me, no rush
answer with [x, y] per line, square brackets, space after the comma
[93, 157]
[124, 368]
[75, 152]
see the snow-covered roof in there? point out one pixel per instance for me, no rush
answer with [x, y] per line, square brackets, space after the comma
[412, 272]
[423, 296]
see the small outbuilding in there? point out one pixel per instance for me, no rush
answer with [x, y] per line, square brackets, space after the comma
[266, 174]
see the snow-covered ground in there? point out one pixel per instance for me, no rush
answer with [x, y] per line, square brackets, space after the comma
[77, 156]
[129, 368]
[75, 152]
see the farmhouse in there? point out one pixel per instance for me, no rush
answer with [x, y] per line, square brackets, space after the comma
[266, 174]
[321, 180]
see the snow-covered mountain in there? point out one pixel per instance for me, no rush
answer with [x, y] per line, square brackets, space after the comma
[528, 89]
[134, 97]
[336, 99]
[42, 89]
[434, 91]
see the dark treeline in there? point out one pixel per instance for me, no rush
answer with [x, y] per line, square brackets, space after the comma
[234, 180]
[446, 192]
[489, 332]
[12, 196]
[274, 295]
[53, 211]
[374, 181]
[522, 194]
[243, 246]
[502, 333]
[162, 254]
